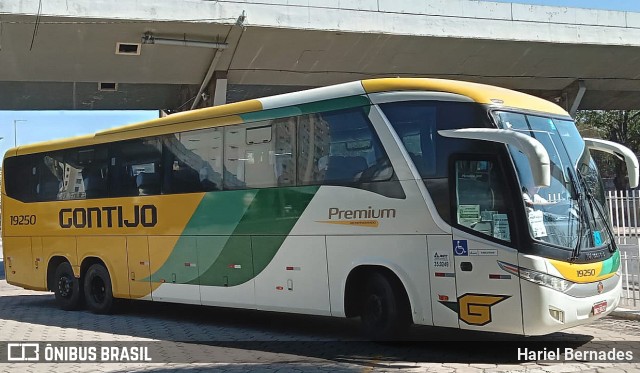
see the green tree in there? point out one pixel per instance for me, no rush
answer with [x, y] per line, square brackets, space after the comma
[621, 126]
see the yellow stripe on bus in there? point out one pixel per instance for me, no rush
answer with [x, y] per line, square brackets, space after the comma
[481, 93]
[188, 121]
[580, 273]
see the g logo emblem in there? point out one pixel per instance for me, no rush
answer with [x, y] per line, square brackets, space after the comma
[475, 309]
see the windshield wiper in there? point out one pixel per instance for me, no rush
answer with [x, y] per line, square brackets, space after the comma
[581, 224]
[593, 202]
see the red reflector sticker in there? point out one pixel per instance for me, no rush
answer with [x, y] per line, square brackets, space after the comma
[443, 274]
[443, 297]
[499, 277]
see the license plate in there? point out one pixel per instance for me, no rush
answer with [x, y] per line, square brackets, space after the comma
[599, 307]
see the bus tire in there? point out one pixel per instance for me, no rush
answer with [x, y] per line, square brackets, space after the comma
[66, 288]
[97, 290]
[385, 314]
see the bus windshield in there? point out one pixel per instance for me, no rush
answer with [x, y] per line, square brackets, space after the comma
[570, 212]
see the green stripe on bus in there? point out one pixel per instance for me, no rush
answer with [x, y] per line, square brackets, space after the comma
[611, 265]
[312, 107]
[210, 227]
[258, 236]
[233, 235]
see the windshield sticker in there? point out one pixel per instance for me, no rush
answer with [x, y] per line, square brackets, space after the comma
[597, 238]
[501, 227]
[468, 214]
[536, 222]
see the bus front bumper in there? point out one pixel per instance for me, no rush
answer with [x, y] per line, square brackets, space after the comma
[547, 311]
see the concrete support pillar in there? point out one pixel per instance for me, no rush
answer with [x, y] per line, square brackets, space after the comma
[218, 87]
[572, 96]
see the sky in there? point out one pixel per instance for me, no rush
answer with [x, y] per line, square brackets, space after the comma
[35, 126]
[626, 5]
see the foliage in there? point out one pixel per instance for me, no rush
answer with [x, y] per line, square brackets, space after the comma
[621, 126]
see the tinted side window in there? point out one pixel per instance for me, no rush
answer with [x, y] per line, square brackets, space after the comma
[340, 148]
[72, 182]
[62, 175]
[417, 123]
[135, 168]
[192, 161]
[285, 150]
[247, 156]
[259, 154]
[86, 173]
[21, 177]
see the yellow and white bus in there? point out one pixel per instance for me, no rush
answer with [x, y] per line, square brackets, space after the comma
[401, 201]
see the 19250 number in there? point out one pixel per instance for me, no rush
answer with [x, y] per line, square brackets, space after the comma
[586, 272]
[23, 219]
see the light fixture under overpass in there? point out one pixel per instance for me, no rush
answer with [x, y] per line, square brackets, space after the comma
[149, 38]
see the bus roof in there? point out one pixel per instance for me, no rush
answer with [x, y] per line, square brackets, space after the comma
[297, 103]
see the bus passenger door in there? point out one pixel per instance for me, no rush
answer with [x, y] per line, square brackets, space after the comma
[488, 296]
[138, 262]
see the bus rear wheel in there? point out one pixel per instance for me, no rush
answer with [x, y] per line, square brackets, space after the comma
[97, 290]
[66, 288]
[385, 314]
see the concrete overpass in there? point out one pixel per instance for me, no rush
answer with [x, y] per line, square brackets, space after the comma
[62, 54]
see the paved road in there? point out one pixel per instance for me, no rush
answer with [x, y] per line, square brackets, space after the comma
[233, 340]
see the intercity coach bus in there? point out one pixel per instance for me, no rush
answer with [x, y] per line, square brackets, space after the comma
[400, 201]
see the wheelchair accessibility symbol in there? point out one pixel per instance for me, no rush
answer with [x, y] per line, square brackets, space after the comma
[460, 248]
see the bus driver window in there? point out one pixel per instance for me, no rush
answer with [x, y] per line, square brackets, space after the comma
[480, 203]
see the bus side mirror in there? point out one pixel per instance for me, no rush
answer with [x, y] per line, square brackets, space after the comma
[536, 153]
[619, 151]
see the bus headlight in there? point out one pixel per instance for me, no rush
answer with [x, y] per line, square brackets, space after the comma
[553, 282]
[544, 279]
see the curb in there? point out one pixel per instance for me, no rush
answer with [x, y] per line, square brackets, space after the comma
[626, 315]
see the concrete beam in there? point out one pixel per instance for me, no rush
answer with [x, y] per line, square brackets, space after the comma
[438, 18]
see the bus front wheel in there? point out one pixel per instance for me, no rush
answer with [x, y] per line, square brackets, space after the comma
[97, 289]
[384, 314]
[66, 288]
